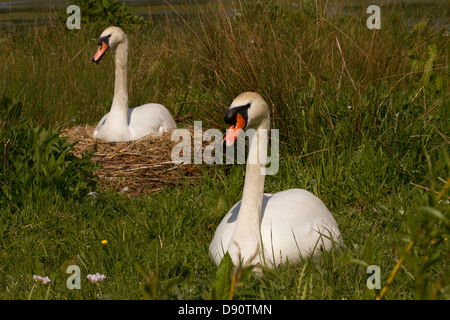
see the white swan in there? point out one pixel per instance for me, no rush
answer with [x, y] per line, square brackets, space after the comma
[267, 228]
[121, 123]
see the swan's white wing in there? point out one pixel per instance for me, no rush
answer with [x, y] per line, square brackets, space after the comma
[294, 225]
[151, 118]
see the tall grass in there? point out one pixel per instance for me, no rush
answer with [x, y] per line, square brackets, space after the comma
[363, 120]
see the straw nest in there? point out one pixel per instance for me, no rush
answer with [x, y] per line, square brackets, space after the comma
[138, 167]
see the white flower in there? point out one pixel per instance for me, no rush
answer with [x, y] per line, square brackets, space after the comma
[96, 277]
[44, 280]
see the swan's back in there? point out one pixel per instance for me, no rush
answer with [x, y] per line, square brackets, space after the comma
[295, 224]
[150, 118]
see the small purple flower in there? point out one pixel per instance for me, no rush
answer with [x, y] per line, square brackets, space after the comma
[96, 277]
[44, 280]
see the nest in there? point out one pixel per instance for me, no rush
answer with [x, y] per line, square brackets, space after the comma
[138, 167]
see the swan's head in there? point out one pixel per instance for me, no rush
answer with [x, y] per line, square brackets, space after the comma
[247, 110]
[110, 38]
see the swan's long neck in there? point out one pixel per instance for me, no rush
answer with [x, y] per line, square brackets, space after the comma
[246, 235]
[120, 100]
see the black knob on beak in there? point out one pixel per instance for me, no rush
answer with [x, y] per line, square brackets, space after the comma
[231, 114]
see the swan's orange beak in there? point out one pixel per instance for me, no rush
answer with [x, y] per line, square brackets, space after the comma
[100, 52]
[233, 131]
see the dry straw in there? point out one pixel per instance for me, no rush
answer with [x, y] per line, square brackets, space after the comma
[138, 167]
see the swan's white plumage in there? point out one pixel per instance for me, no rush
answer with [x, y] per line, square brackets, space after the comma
[292, 222]
[122, 123]
[267, 228]
[148, 119]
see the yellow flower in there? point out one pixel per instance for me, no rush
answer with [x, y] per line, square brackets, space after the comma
[104, 242]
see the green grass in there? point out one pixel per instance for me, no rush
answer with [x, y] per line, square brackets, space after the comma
[380, 166]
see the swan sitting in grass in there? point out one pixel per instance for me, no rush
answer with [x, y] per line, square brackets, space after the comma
[269, 229]
[122, 123]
